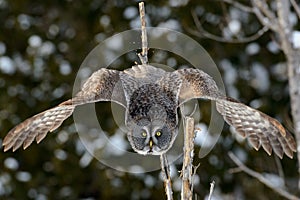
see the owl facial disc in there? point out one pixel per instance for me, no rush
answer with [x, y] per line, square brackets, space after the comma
[151, 137]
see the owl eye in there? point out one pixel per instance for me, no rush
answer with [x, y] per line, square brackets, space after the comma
[144, 134]
[158, 133]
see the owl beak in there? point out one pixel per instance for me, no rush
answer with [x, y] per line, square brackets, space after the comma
[150, 143]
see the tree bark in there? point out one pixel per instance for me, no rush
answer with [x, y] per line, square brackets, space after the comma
[293, 66]
[293, 62]
[188, 156]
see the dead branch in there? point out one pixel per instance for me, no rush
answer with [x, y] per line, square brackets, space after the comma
[293, 62]
[261, 178]
[260, 9]
[264, 8]
[264, 14]
[188, 155]
[279, 168]
[239, 5]
[144, 54]
[212, 186]
[165, 169]
[296, 7]
[201, 32]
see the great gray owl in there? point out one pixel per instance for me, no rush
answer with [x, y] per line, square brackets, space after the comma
[151, 97]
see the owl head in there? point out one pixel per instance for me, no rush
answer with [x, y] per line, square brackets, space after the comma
[149, 137]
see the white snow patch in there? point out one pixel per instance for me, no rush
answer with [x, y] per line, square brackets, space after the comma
[7, 65]
[273, 47]
[178, 3]
[293, 19]
[170, 24]
[252, 48]
[104, 20]
[130, 12]
[261, 81]
[296, 39]
[23, 176]
[11, 163]
[35, 41]
[65, 68]
[230, 73]
[234, 26]
[46, 48]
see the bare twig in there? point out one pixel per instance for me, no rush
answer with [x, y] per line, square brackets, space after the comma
[261, 10]
[239, 5]
[264, 14]
[263, 6]
[212, 186]
[144, 54]
[284, 31]
[201, 32]
[225, 12]
[195, 168]
[188, 155]
[261, 178]
[296, 7]
[165, 169]
[279, 167]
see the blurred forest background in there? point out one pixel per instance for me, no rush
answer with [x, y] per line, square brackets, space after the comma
[42, 45]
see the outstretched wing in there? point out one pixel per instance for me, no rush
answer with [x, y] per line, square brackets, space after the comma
[37, 126]
[259, 128]
[103, 85]
[196, 84]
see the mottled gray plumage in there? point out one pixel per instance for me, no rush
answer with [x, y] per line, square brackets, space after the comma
[151, 97]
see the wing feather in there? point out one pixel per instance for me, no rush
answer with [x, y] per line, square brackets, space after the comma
[103, 85]
[196, 84]
[259, 128]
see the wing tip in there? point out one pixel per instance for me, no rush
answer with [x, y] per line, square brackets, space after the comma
[256, 148]
[5, 149]
[291, 156]
[8, 138]
[268, 151]
[25, 146]
[5, 141]
[7, 146]
[14, 149]
[280, 156]
[290, 153]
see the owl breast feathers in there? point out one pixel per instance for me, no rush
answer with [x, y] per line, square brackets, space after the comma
[144, 91]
